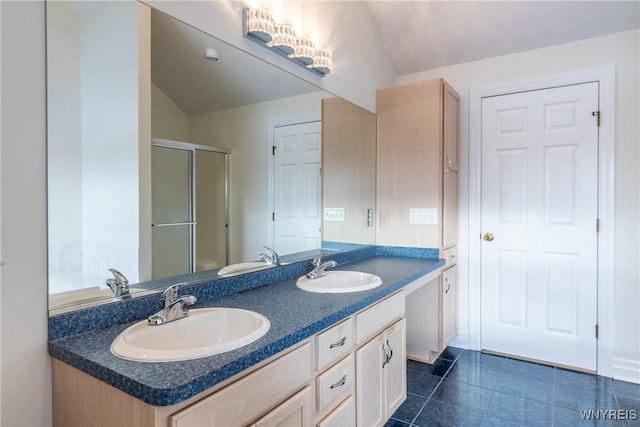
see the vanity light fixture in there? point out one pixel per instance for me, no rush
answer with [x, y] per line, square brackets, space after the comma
[281, 38]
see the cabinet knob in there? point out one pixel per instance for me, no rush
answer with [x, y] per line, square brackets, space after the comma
[488, 237]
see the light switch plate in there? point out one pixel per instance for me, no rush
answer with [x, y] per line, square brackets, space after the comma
[334, 214]
[423, 216]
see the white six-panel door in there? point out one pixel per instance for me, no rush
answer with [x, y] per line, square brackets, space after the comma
[539, 211]
[297, 187]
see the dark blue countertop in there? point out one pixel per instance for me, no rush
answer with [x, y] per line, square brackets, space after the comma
[294, 315]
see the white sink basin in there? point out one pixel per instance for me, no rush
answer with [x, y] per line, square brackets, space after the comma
[336, 282]
[205, 332]
[242, 267]
[82, 297]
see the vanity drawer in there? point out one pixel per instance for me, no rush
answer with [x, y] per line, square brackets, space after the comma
[334, 343]
[376, 318]
[334, 383]
[257, 393]
[450, 256]
[343, 415]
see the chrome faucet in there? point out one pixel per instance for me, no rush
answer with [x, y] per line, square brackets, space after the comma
[119, 284]
[174, 307]
[319, 267]
[272, 259]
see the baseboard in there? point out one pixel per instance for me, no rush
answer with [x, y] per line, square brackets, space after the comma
[626, 370]
[461, 341]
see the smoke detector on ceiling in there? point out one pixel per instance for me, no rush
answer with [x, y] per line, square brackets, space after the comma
[211, 54]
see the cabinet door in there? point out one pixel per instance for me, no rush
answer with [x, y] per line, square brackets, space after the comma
[295, 412]
[395, 371]
[449, 304]
[450, 168]
[369, 383]
[409, 156]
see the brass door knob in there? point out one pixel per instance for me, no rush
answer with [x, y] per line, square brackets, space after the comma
[488, 237]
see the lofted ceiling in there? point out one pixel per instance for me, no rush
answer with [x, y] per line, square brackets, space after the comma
[415, 35]
[197, 85]
[423, 35]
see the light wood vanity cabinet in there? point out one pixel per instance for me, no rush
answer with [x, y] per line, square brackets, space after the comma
[381, 386]
[417, 164]
[423, 321]
[449, 284]
[343, 415]
[313, 383]
[432, 315]
[262, 391]
[418, 168]
[379, 362]
[295, 412]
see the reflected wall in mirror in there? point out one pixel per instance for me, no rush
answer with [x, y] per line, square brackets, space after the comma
[120, 74]
[349, 172]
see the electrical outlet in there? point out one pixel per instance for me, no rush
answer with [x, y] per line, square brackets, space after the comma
[423, 216]
[334, 214]
[384, 219]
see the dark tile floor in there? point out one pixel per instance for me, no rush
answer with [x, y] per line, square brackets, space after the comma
[469, 388]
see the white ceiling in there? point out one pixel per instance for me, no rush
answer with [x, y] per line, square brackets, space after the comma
[417, 36]
[423, 35]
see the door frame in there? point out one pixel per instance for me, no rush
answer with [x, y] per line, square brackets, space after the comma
[606, 191]
[273, 124]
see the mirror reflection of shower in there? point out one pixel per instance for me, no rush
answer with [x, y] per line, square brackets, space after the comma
[189, 199]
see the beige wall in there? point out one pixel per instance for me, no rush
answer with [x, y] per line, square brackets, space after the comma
[167, 120]
[622, 51]
[348, 170]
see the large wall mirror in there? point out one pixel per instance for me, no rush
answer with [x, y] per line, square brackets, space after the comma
[160, 154]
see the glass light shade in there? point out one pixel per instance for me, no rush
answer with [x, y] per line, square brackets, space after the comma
[284, 38]
[281, 37]
[304, 51]
[322, 61]
[260, 24]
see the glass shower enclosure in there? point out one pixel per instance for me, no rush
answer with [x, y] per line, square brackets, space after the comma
[189, 199]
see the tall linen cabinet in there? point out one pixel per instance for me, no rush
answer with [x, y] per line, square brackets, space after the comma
[417, 200]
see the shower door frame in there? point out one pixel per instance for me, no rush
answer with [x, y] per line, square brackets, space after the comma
[192, 148]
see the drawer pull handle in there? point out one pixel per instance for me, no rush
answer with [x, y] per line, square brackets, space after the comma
[340, 383]
[448, 286]
[339, 343]
[390, 351]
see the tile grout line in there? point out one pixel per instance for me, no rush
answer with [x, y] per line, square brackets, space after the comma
[434, 389]
[494, 391]
[553, 398]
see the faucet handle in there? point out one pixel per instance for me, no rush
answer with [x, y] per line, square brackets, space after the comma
[171, 293]
[274, 258]
[120, 279]
[317, 261]
[119, 284]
